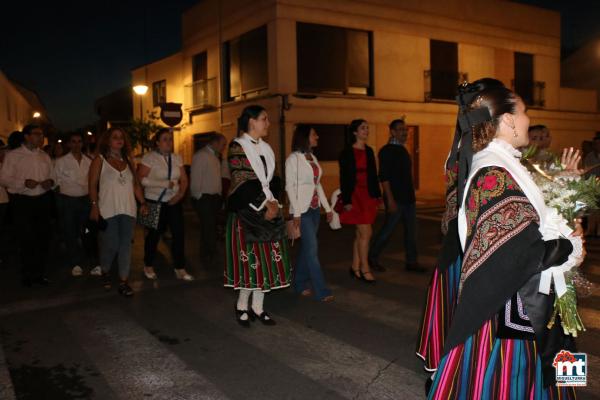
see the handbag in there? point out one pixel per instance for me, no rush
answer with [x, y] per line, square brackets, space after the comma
[339, 205]
[152, 218]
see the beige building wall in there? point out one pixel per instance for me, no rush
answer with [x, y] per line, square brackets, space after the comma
[15, 110]
[487, 32]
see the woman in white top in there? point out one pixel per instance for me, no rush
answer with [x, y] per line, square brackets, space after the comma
[113, 190]
[164, 180]
[303, 186]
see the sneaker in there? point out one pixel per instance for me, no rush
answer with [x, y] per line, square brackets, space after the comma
[149, 273]
[96, 271]
[77, 271]
[183, 275]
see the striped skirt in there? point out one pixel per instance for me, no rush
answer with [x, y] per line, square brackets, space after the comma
[256, 266]
[441, 301]
[486, 367]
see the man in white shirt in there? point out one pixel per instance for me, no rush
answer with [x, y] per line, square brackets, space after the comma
[205, 188]
[71, 172]
[28, 176]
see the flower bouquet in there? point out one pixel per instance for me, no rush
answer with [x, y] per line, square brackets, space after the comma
[571, 195]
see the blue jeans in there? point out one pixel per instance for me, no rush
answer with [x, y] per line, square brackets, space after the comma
[116, 239]
[406, 213]
[308, 267]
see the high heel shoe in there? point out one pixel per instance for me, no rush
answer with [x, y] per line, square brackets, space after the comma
[362, 277]
[355, 273]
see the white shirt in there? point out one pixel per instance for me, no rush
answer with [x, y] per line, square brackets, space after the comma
[205, 173]
[72, 175]
[21, 164]
[157, 179]
[300, 184]
[116, 192]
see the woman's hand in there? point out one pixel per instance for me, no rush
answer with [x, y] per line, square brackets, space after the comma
[95, 213]
[272, 210]
[329, 216]
[144, 209]
[570, 159]
[296, 222]
[578, 232]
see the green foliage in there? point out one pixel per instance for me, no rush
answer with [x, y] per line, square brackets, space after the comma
[141, 132]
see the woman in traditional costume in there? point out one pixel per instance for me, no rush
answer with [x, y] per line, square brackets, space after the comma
[499, 346]
[256, 248]
[442, 292]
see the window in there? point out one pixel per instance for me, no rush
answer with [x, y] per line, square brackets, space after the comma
[443, 75]
[200, 67]
[524, 83]
[245, 64]
[159, 93]
[334, 60]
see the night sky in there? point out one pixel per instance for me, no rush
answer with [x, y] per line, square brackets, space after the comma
[72, 53]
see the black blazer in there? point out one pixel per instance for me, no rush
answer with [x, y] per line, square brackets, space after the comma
[348, 174]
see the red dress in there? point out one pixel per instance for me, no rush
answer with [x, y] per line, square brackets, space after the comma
[364, 207]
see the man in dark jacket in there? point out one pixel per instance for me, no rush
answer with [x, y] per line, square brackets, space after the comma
[395, 174]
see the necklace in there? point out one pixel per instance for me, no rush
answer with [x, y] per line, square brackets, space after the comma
[115, 155]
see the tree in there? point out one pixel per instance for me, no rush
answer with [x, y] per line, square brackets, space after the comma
[141, 131]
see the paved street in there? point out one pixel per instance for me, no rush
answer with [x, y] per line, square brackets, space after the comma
[176, 340]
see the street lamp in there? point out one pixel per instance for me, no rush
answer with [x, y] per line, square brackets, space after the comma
[36, 114]
[141, 90]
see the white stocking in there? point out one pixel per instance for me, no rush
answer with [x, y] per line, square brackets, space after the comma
[258, 299]
[242, 303]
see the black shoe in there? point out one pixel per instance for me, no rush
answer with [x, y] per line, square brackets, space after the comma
[125, 290]
[365, 280]
[238, 316]
[376, 266]
[353, 273]
[415, 267]
[264, 318]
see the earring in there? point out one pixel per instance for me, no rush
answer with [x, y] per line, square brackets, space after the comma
[515, 132]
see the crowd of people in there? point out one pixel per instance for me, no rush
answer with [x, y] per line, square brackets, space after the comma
[498, 236]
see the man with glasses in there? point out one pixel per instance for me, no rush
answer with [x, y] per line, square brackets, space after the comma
[28, 175]
[395, 175]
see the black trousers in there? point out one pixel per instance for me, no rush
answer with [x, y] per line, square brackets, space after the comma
[32, 218]
[207, 207]
[171, 216]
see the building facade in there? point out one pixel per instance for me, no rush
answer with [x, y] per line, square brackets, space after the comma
[327, 63]
[17, 107]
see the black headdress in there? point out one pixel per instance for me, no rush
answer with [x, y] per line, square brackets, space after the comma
[462, 149]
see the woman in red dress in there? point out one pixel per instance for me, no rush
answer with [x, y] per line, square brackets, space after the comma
[360, 194]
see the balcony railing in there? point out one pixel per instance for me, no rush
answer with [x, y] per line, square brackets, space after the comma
[442, 85]
[533, 93]
[200, 95]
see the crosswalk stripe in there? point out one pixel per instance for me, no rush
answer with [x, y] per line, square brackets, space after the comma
[131, 360]
[345, 369]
